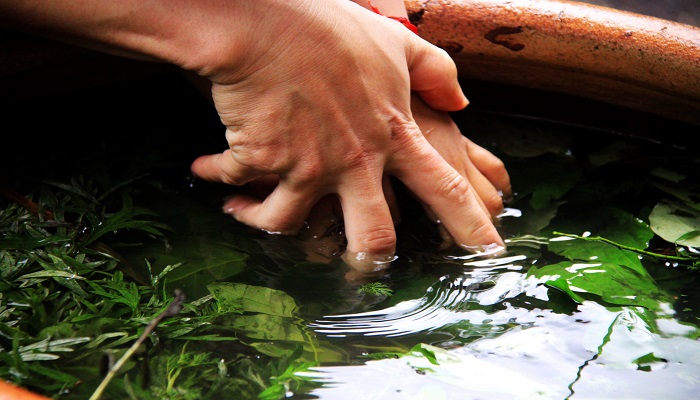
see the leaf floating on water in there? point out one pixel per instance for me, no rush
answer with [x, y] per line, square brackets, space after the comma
[426, 351]
[612, 283]
[668, 174]
[676, 223]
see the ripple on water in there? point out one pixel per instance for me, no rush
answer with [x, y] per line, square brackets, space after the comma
[450, 300]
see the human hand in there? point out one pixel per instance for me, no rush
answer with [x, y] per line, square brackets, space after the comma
[337, 123]
[315, 92]
[322, 238]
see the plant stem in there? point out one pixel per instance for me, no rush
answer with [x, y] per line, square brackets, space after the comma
[622, 246]
[173, 308]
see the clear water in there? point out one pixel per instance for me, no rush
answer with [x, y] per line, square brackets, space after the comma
[496, 329]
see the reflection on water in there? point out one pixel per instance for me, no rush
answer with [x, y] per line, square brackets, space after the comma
[555, 357]
[501, 327]
[447, 302]
[515, 352]
[552, 317]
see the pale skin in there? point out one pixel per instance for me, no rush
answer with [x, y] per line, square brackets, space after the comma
[314, 92]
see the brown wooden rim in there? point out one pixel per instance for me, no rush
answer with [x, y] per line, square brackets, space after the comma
[644, 63]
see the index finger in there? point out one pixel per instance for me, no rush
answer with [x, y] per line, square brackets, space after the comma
[224, 168]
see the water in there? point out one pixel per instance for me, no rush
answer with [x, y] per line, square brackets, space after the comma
[548, 319]
[553, 318]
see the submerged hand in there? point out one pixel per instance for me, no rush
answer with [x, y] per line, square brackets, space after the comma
[322, 238]
[314, 92]
[336, 124]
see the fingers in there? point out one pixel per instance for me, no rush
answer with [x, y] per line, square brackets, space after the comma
[487, 193]
[282, 212]
[223, 168]
[484, 171]
[491, 167]
[369, 227]
[450, 196]
[434, 77]
[391, 200]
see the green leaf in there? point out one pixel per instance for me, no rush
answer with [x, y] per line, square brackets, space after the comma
[611, 223]
[616, 151]
[676, 223]
[426, 351]
[687, 193]
[29, 243]
[668, 174]
[545, 180]
[53, 374]
[592, 251]
[50, 274]
[42, 350]
[257, 299]
[267, 327]
[375, 289]
[612, 283]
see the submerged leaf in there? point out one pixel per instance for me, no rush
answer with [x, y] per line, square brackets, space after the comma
[257, 299]
[375, 289]
[267, 327]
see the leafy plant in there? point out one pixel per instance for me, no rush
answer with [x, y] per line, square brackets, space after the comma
[86, 267]
[375, 289]
[68, 300]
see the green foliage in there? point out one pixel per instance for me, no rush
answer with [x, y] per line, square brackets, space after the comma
[676, 222]
[375, 289]
[255, 299]
[79, 285]
[67, 301]
[607, 283]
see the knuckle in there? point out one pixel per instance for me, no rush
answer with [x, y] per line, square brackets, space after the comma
[404, 131]
[264, 154]
[496, 164]
[499, 164]
[360, 158]
[379, 240]
[232, 180]
[309, 174]
[452, 186]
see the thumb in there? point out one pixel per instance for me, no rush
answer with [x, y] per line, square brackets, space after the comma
[434, 77]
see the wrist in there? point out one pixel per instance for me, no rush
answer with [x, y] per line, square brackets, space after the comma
[403, 20]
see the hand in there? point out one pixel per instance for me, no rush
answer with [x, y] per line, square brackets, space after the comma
[315, 92]
[322, 238]
[336, 124]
